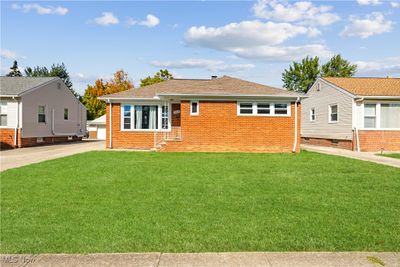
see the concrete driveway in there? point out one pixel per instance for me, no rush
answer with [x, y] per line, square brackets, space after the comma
[25, 156]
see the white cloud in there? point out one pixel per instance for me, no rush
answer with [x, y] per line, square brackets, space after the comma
[371, 24]
[369, 2]
[41, 10]
[303, 12]
[395, 4]
[151, 21]
[210, 65]
[383, 67]
[282, 53]
[256, 40]
[7, 54]
[245, 33]
[106, 19]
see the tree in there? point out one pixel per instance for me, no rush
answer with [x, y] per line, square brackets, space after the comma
[14, 70]
[338, 67]
[301, 76]
[95, 107]
[160, 76]
[56, 70]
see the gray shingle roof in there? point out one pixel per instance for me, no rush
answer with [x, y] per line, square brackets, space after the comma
[17, 85]
[224, 86]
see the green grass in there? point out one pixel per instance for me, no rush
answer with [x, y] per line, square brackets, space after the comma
[194, 202]
[391, 155]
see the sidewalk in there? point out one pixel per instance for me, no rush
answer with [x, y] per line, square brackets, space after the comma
[268, 259]
[367, 156]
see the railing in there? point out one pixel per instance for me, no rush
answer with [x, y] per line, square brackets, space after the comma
[160, 138]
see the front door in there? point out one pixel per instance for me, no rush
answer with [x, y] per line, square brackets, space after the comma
[175, 115]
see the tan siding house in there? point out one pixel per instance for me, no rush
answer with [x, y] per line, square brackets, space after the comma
[353, 113]
[39, 111]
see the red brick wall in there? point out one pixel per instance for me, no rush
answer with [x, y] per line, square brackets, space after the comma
[27, 142]
[93, 134]
[344, 144]
[126, 139]
[7, 136]
[377, 140]
[217, 128]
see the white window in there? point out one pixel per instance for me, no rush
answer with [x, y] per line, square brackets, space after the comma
[246, 108]
[127, 117]
[370, 116]
[42, 114]
[66, 114]
[333, 113]
[194, 107]
[39, 140]
[312, 114]
[263, 108]
[390, 116]
[3, 112]
[164, 117]
[143, 117]
[281, 109]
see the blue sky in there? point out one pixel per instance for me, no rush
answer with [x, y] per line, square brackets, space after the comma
[253, 40]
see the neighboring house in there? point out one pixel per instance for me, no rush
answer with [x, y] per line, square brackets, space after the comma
[353, 113]
[218, 114]
[39, 111]
[97, 128]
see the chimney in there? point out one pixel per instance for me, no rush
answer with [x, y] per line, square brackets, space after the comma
[214, 77]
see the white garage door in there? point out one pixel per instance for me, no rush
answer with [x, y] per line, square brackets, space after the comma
[101, 132]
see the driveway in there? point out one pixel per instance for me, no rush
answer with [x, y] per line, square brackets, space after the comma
[25, 156]
[367, 156]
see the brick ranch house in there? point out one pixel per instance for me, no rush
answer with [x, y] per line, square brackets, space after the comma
[361, 114]
[218, 114]
[37, 111]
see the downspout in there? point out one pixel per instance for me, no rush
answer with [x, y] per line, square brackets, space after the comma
[52, 127]
[110, 145]
[295, 125]
[358, 139]
[16, 126]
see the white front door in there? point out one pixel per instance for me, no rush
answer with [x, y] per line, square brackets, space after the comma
[101, 132]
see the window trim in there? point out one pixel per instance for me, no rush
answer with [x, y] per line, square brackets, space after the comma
[44, 113]
[159, 112]
[5, 103]
[378, 116]
[66, 109]
[191, 108]
[271, 107]
[311, 114]
[330, 113]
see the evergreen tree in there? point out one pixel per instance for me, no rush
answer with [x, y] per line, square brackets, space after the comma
[14, 70]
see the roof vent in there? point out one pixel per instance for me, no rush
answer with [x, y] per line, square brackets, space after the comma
[59, 85]
[214, 77]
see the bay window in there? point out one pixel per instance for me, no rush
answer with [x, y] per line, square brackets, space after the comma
[145, 117]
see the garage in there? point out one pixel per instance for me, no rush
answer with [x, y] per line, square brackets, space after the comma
[97, 128]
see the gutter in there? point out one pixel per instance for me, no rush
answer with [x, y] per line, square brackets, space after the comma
[295, 125]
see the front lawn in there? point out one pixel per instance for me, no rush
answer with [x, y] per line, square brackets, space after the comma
[391, 155]
[186, 202]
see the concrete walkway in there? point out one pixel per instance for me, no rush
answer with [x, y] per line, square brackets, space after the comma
[367, 156]
[24, 156]
[268, 259]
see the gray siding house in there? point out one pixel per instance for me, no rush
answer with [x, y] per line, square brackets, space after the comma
[39, 110]
[353, 113]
